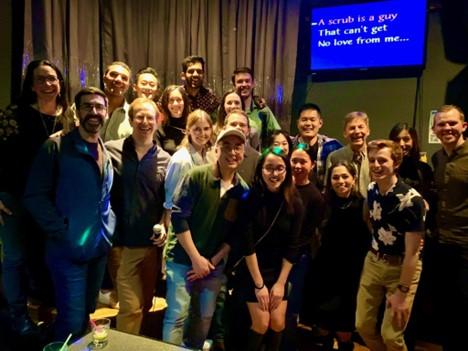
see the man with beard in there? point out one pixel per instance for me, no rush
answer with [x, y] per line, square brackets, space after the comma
[193, 73]
[116, 83]
[356, 131]
[204, 218]
[68, 195]
[262, 119]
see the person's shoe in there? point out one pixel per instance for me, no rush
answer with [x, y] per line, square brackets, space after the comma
[105, 298]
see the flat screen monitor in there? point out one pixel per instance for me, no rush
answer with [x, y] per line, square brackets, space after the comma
[386, 36]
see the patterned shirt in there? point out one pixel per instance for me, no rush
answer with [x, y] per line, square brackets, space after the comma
[399, 210]
[204, 100]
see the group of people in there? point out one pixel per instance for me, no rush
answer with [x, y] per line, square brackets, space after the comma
[234, 212]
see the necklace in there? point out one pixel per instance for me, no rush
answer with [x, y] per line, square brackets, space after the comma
[44, 124]
[43, 117]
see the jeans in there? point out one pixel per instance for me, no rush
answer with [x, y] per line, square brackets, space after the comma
[14, 257]
[198, 297]
[76, 286]
[377, 280]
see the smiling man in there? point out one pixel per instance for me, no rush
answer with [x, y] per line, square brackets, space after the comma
[356, 131]
[320, 146]
[451, 179]
[137, 199]
[116, 83]
[68, 194]
[203, 218]
[147, 84]
[193, 74]
[262, 120]
[392, 266]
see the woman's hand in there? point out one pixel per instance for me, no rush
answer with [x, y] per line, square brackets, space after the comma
[263, 298]
[276, 295]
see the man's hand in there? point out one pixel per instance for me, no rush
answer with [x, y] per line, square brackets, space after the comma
[161, 239]
[400, 309]
[276, 295]
[4, 210]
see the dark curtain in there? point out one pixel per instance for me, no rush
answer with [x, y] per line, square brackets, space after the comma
[82, 36]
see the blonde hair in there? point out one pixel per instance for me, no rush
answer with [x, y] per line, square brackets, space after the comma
[354, 115]
[193, 118]
[448, 108]
[141, 101]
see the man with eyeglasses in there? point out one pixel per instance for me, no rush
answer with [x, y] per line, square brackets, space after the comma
[68, 195]
[204, 218]
[240, 120]
[116, 83]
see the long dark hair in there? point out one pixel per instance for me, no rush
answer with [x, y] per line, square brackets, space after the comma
[164, 102]
[221, 117]
[414, 153]
[287, 187]
[329, 192]
[29, 97]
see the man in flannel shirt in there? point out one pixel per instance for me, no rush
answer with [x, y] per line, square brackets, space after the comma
[392, 266]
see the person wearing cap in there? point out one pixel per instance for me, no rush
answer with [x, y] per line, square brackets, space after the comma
[204, 216]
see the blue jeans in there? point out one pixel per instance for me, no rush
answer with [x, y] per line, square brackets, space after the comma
[198, 297]
[14, 257]
[76, 286]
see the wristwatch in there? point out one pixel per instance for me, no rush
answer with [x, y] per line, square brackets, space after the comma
[403, 288]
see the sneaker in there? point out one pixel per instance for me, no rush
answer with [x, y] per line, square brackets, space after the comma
[105, 298]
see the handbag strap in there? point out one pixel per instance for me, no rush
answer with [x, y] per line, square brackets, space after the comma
[263, 236]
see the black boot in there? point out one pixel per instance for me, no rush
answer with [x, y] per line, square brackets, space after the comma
[274, 340]
[254, 340]
[345, 346]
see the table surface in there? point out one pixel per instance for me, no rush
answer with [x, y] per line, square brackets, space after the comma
[125, 342]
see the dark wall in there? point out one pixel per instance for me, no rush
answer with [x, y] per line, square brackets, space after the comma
[5, 50]
[387, 101]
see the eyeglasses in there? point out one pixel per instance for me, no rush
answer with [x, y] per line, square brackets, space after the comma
[48, 79]
[89, 107]
[271, 169]
[227, 148]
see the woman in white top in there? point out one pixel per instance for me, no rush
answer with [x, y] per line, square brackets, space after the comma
[192, 152]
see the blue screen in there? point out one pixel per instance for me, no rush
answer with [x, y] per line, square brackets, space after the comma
[387, 33]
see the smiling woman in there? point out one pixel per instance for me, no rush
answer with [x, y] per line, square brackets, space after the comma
[272, 220]
[40, 113]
